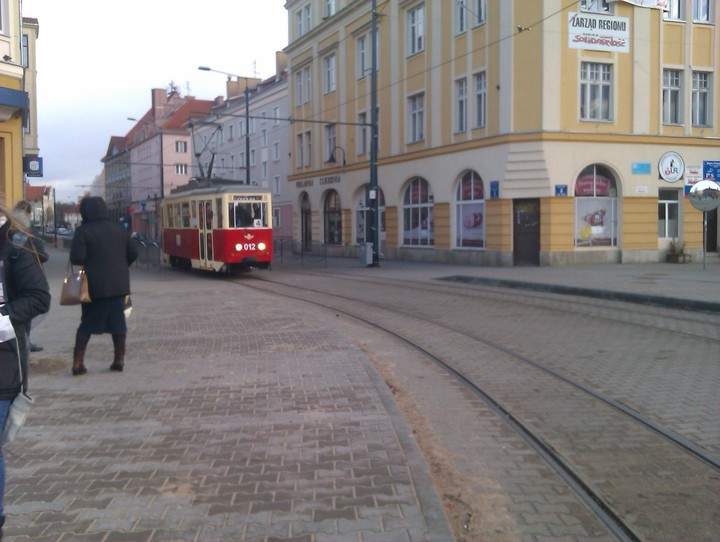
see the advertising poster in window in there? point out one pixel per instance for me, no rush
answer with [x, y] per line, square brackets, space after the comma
[472, 216]
[594, 222]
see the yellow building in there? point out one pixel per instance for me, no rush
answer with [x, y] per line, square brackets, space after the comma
[510, 132]
[14, 101]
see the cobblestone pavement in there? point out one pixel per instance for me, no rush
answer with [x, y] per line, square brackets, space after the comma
[237, 418]
[260, 419]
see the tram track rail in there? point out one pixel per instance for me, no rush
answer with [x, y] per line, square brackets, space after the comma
[570, 475]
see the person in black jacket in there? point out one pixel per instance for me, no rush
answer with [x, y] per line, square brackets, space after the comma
[25, 294]
[22, 218]
[106, 251]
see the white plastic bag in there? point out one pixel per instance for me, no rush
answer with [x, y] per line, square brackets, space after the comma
[17, 415]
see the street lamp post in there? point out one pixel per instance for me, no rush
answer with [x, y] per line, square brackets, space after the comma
[374, 196]
[247, 115]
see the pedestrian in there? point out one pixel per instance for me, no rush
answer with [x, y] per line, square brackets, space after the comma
[22, 215]
[106, 251]
[25, 294]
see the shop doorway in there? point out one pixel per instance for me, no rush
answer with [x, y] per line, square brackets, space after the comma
[526, 232]
[712, 231]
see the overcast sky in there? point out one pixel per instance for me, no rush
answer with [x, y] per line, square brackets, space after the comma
[97, 61]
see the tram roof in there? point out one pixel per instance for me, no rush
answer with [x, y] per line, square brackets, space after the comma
[214, 186]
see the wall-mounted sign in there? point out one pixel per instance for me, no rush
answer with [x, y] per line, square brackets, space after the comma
[641, 168]
[33, 166]
[598, 32]
[693, 175]
[711, 170]
[671, 167]
[561, 190]
[652, 4]
[494, 189]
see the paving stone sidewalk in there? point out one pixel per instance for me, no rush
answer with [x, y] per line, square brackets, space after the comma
[238, 417]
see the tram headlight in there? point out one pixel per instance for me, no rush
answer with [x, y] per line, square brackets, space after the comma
[238, 247]
[261, 246]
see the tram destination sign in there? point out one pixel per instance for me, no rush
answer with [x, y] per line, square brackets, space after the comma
[247, 198]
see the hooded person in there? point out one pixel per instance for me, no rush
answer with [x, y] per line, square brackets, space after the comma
[106, 251]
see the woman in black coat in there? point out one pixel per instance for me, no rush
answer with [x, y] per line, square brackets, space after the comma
[24, 295]
[106, 251]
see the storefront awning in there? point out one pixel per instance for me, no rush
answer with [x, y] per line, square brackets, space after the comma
[11, 102]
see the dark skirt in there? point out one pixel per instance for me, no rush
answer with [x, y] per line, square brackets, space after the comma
[103, 316]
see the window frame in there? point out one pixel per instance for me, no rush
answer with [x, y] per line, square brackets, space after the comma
[416, 29]
[416, 118]
[470, 211]
[701, 97]
[596, 6]
[330, 140]
[702, 11]
[664, 205]
[418, 211]
[480, 79]
[329, 72]
[592, 80]
[479, 12]
[461, 17]
[672, 96]
[461, 123]
[675, 11]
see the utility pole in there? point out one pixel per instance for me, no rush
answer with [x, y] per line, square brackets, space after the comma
[374, 222]
[247, 132]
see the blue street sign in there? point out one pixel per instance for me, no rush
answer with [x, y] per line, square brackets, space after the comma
[711, 170]
[561, 189]
[494, 189]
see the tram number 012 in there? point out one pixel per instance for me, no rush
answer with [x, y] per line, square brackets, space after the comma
[249, 246]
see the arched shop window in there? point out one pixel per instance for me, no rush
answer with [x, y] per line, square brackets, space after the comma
[470, 211]
[595, 208]
[333, 218]
[418, 220]
[362, 235]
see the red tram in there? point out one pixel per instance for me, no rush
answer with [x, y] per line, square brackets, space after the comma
[216, 226]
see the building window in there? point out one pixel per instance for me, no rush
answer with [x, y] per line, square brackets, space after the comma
[300, 151]
[598, 6]
[672, 93]
[242, 160]
[363, 131]
[308, 85]
[24, 58]
[302, 20]
[595, 207]
[263, 138]
[595, 91]
[276, 115]
[479, 12]
[181, 169]
[181, 146]
[675, 10]
[276, 185]
[480, 100]
[276, 216]
[276, 151]
[329, 8]
[461, 16]
[299, 88]
[417, 118]
[333, 218]
[264, 168]
[308, 148]
[416, 29]
[701, 11]
[668, 213]
[701, 99]
[470, 211]
[252, 157]
[330, 81]
[231, 132]
[330, 140]
[461, 104]
[418, 221]
[363, 56]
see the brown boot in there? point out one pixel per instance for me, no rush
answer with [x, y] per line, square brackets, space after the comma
[118, 363]
[81, 342]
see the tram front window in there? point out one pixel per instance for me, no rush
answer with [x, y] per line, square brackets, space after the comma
[248, 215]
